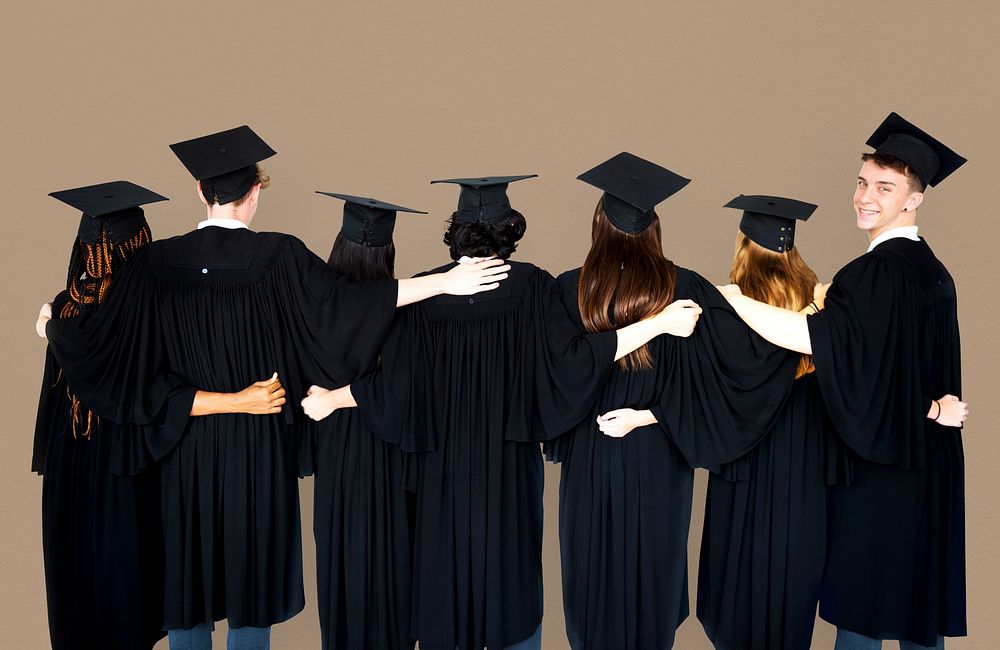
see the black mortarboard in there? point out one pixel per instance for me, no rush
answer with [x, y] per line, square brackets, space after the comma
[484, 199]
[632, 188]
[770, 220]
[930, 160]
[368, 222]
[224, 162]
[114, 205]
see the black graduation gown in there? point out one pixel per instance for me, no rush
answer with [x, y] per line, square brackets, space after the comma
[101, 538]
[219, 309]
[886, 342]
[764, 535]
[468, 385]
[361, 524]
[625, 503]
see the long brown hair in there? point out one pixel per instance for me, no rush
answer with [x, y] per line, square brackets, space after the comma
[624, 279]
[779, 279]
[91, 271]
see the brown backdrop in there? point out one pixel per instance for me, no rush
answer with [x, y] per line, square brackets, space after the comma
[376, 101]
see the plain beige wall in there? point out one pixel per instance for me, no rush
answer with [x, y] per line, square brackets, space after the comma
[377, 100]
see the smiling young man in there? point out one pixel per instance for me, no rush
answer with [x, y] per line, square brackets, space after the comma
[886, 341]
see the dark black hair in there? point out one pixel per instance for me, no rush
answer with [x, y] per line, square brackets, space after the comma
[485, 239]
[358, 262]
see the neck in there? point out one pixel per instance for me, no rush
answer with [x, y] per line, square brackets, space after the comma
[904, 219]
[229, 211]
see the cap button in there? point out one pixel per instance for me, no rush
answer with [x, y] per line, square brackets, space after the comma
[204, 270]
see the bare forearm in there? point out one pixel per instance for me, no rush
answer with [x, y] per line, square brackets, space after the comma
[413, 290]
[783, 327]
[634, 336]
[207, 403]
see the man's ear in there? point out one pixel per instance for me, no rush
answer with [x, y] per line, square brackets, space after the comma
[914, 201]
[200, 194]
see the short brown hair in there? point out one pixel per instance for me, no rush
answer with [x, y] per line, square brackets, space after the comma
[262, 179]
[895, 164]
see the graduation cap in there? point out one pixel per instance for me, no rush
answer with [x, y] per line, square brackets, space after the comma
[484, 199]
[224, 162]
[368, 222]
[770, 220]
[114, 205]
[632, 188]
[930, 160]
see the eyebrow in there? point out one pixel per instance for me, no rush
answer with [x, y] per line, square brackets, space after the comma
[862, 178]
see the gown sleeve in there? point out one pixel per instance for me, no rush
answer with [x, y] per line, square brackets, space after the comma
[722, 387]
[396, 399]
[865, 349]
[330, 329]
[51, 408]
[114, 358]
[561, 371]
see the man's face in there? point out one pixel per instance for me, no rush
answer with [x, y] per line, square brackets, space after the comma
[880, 197]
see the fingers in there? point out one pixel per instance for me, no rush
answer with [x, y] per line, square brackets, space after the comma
[493, 278]
[492, 263]
[266, 382]
[278, 394]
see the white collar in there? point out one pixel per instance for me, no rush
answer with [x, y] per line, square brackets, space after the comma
[465, 259]
[231, 224]
[908, 232]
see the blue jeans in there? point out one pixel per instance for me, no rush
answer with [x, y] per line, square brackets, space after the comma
[533, 642]
[239, 638]
[847, 640]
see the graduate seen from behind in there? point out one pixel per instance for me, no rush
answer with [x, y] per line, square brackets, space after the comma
[672, 405]
[468, 386]
[886, 341]
[216, 308]
[764, 536]
[360, 513]
[101, 534]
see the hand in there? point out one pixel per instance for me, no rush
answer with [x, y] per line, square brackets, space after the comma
[952, 411]
[679, 318]
[261, 398]
[730, 290]
[476, 276]
[44, 316]
[321, 402]
[819, 294]
[618, 423]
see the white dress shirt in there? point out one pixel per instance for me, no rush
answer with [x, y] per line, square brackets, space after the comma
[908, 232]
[231, 224]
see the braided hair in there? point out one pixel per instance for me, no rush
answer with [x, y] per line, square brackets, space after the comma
[102, 246]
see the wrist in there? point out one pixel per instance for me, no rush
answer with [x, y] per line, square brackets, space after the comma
[440, 285]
